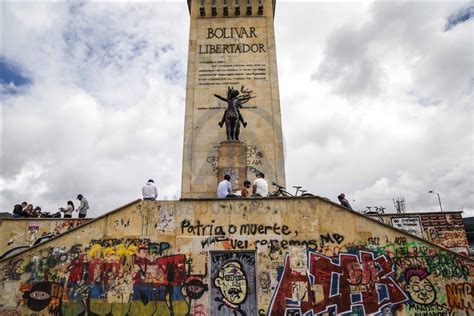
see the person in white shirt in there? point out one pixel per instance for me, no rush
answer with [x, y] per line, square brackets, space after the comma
[68, 209]
[224, 188]
[149, 190]
[82, 209]
[260, 186]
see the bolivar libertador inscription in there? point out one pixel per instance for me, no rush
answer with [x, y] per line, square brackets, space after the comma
[231, 33]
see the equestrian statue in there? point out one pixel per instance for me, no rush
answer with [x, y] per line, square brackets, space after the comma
[232, 117]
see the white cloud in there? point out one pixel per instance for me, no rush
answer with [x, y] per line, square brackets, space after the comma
[376, 101]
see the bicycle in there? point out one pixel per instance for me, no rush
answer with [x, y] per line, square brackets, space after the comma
[281, 192]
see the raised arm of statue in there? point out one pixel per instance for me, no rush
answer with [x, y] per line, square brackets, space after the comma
[219, 97]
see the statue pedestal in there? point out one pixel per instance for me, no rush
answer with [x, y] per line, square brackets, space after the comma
[233, 161]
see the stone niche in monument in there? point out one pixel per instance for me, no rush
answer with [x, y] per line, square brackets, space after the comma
[231, 48]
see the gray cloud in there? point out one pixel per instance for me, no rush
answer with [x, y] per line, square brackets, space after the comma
[388, 112]
[459, 17]
[107, 97]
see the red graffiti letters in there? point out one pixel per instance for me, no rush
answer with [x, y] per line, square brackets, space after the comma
[361, 282]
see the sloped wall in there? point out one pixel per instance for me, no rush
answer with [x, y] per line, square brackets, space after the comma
[26, 231]
[236, 257]
[445, 229]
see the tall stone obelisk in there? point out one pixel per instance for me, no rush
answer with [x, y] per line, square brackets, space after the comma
[231, 45]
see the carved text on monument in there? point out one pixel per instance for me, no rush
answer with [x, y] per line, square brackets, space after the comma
[213, 73]
[231, 48]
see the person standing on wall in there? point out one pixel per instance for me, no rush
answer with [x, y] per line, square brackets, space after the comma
[83, 207]
[260, 186]
[224, 188]
[149, 191]
[344, 202]
[67, 211]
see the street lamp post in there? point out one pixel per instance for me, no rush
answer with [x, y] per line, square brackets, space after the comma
[439, 199]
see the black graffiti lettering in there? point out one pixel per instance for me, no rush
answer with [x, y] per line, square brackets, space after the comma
[252, 229]
[200, 229]
[239, 244]
[211, 240]
[312, 244]
[232, 229]
[331, 238]
[295, 243]
[184, 224]
[338, 238]
[400, 240]
[373, 241]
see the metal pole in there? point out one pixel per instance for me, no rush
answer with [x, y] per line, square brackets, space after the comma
[439, 200]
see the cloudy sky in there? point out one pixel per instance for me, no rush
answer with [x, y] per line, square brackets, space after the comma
[376, 101]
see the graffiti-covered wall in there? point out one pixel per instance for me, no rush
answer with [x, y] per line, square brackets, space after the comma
[25, 232]
[236, 257]
[445, 229]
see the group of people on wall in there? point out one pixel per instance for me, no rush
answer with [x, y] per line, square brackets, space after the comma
[27, 210]
[259, 188]
[225, 190]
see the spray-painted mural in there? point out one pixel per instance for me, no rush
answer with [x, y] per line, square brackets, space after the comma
[108, 276]
[445, 229]
[240, 257]
[24, 233]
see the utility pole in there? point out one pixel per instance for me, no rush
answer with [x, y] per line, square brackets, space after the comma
[399, 203]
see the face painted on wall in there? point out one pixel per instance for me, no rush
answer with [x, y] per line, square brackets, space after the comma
[232, 283]
[419, 288]
[39, 296]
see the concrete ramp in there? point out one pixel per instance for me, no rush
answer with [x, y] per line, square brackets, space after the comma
[291, 256]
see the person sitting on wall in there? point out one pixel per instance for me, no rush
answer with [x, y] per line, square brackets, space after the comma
[67, 211]
[344, 202]
[27, 211]
[24, 213]
[149, 191]
[18, 209]
[246, 189]
[224, 188]
[260, 186]
[83, 207]
[37, 212]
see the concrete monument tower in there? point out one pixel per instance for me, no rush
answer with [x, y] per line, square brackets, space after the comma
[232, 81]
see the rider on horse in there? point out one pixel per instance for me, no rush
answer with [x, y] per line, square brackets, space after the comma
[232, 114]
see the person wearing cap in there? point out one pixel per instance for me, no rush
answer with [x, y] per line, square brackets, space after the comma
[83, 207]
[149, 190]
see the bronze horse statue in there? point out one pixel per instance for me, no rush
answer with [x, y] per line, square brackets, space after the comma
[232, 117]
